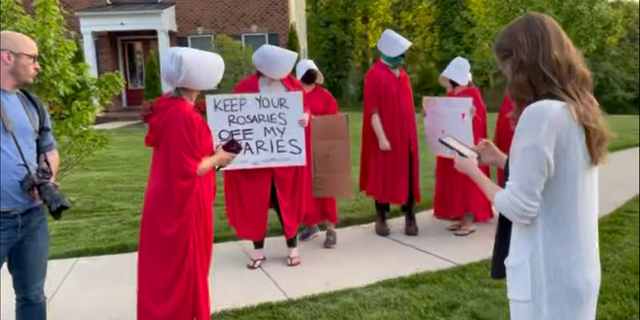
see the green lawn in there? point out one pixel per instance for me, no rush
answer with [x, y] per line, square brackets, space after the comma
[467, 292]
[108, 190]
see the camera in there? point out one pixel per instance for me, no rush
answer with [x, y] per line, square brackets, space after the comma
[48, 192]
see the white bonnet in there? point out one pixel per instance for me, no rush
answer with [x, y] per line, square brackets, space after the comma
[392, 44]
[274, 62]
[193, 69]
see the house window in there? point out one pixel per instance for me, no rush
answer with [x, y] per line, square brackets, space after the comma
[255, 40]
[204, 42]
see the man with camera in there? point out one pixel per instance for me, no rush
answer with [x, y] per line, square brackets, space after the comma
[29, 164]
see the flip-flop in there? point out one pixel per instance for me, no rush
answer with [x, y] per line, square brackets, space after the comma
[290, 261]
[453, 227]
[256, 263]
[464, 232]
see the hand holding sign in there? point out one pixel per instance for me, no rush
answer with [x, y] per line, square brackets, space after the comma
[305, 120]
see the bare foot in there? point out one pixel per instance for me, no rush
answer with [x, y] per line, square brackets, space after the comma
[454, 226]
[257, 258]
[465, 229]
[293, 259]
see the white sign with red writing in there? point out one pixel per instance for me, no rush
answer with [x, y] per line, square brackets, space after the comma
[447, 117]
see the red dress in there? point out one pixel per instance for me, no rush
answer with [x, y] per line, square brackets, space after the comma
[176, 231]
[384, 175]
[247, 192]
[455, 194]
[505, 128]
[320, 103]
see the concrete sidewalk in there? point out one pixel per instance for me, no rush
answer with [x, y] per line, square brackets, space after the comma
[115, 125]
[104, 288]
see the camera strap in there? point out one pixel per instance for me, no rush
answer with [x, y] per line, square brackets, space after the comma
[9, 127]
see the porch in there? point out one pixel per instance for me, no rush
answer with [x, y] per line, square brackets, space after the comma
[122, 37]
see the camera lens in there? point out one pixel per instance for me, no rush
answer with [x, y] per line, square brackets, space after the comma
[56, 202]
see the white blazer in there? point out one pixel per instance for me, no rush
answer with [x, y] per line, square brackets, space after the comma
[553, 268]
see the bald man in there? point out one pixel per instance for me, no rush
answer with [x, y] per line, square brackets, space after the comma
[24, 237]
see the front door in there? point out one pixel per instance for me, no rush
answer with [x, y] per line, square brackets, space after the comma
[134, 57]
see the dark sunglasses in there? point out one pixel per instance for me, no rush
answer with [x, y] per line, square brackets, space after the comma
[32, 57]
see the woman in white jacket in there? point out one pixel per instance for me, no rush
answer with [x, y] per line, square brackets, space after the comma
[553, 268]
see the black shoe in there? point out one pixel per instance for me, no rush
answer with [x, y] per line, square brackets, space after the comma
[410, 225]
[382, 229]
[309, 233]
[331, 239]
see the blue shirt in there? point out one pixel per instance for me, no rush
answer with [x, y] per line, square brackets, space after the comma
[12, 197]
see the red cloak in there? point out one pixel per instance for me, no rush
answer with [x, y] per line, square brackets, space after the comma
[505, 128]
[320, 103]
[455, 194]
[247, 192]
[176, 231]
[384, 175]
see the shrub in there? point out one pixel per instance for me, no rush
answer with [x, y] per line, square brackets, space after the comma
[152, 81]
[293, 42]
[75, 96]
[237, 60]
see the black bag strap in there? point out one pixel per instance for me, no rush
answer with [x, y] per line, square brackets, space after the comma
[40, 108]
[39, 125]
[9, 127]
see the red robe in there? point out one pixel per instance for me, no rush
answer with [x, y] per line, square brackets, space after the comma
[247, 192]
[320, 103]
[176, 231]
[455, 194]
[505, 128]
[384, 175]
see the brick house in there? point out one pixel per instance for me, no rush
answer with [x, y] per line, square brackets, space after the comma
[119, 34]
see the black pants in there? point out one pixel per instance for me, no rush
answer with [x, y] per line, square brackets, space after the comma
[408, 207]
[291, 243]
[502, 240]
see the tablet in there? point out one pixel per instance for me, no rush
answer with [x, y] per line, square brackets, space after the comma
[462, 149]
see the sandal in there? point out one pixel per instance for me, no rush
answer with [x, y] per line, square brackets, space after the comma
[454, 226]
[256, 263]
[291, 263]
[463, 232]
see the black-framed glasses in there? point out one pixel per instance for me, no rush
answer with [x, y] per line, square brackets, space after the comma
[32, 57]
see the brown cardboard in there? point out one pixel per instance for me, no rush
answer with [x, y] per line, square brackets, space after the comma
[331, 153]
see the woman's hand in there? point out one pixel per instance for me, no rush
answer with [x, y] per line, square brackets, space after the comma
[466, 166]
[490, 154]
[305, 120]
[223, 158]
[384, 145]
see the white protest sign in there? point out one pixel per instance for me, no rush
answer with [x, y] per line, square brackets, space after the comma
[265, 124]
[447, 117]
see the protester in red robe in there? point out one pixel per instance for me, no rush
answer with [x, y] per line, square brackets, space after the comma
[320, 102]
[456, 197]
[389, 165]
[176, 231]
[249, 193]
[505, 128]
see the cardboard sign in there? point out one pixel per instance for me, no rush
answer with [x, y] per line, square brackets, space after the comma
[447, 117]
[265, 124]
[331, 156]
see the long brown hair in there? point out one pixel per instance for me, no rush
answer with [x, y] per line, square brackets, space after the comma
[541, 59]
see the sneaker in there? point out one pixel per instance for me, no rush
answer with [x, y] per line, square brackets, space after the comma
[331, 239]
[309, 233]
